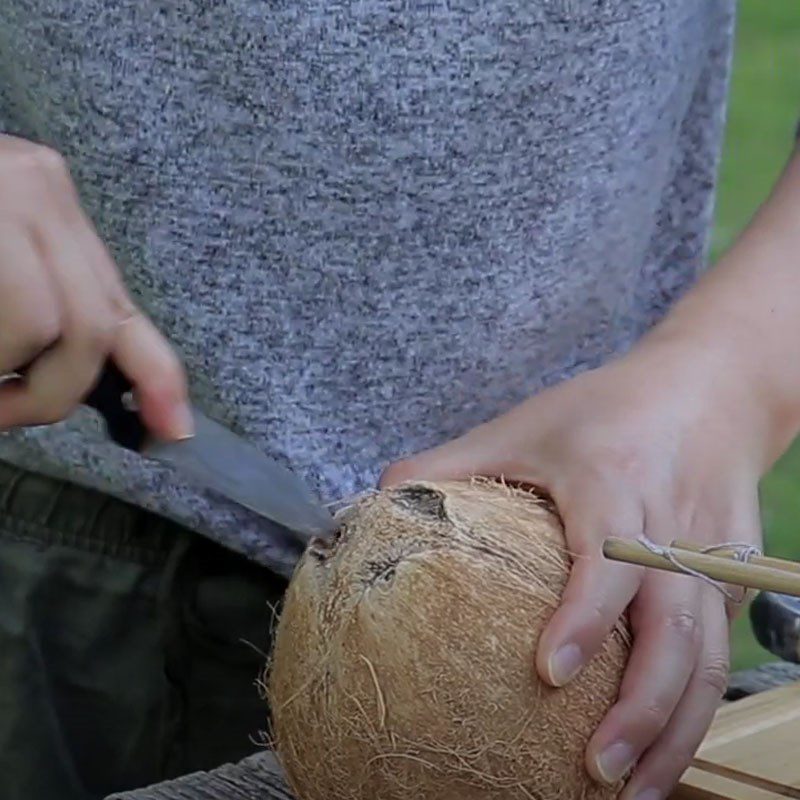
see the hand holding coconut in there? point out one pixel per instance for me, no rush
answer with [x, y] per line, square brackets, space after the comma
[624, 454]
[465, 641]
[669, 442]
[461, 641]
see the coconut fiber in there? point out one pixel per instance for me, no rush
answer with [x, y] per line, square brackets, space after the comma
[403, 664]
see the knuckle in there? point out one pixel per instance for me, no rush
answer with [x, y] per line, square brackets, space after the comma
[654, 716]
[715, 672]
[168, 372]
[648, 722]
[47, 160]
[46, 330]
[683, 623]
[592, 623]
[626, 461]
[593, 470]
[43, 332]
[123, 307]
[98, 334]
[620, 459]
[598, 613]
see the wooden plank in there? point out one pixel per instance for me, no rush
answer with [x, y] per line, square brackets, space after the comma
[750, 750]
[698, 784]
[753, 716]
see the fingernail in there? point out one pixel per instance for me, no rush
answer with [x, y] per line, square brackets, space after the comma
[648, 794]
[182, 422]
[614, 762]
[564, 664]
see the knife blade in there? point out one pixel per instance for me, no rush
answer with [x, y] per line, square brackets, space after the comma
[216, 458]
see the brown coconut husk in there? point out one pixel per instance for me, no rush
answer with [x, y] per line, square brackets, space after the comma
[404, 658]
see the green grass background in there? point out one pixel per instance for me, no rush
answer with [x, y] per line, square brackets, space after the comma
[763, 113]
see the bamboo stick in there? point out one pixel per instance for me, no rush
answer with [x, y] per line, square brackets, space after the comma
[729, 551]
[772, 577]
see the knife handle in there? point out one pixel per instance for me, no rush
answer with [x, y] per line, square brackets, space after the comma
[111, 398]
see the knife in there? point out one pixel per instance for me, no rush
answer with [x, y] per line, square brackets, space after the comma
[216, 458]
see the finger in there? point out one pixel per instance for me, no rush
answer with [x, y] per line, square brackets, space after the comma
[666, 761]
[56, 186]
[30, 319]
[100, 260]
[65, 202]
[730, 520]
[106, 272]
[665, 619]
[59, 379]
[142, 353]
[744, 529]
[55, 190]
[158, 377]
[493, 450]
[139, 351]
[598, 590]
[458, 459]
[27, 187]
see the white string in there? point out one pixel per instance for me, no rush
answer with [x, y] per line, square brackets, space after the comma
[742, 552]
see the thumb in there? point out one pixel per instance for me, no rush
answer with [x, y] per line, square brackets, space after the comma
[453, 460]
[158, 377]
[491, 450]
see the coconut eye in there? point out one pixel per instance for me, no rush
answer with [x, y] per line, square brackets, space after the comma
[387, 575]
[421, 500]
[323, 548]
[381, 572]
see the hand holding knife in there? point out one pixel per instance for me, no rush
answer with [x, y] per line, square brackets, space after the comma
[216, 458]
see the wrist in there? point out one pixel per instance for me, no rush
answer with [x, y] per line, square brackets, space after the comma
[737, 355]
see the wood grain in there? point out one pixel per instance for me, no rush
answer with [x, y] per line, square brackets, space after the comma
[701, 785]
[750, 751]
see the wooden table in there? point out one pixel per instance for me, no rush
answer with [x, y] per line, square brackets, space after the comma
[258, 777]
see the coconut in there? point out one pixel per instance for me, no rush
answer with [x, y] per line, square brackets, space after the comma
[403, 663]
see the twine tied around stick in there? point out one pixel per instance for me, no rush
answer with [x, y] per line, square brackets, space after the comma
[740, 551]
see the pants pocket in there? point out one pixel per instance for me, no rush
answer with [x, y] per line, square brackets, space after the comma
[221, 609]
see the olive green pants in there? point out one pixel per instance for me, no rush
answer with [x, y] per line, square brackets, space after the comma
[130, 648]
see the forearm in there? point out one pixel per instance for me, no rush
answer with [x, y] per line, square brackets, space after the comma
[750, 301]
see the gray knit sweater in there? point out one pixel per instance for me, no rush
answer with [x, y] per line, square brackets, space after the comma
[369, 225]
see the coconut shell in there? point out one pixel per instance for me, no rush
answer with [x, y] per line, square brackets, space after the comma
[403, 664]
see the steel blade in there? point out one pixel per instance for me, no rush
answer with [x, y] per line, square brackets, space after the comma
[224, 462]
